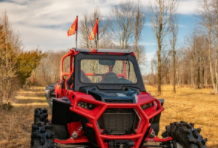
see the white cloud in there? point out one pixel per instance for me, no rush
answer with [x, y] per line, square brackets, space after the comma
[44, 23]
[188, 6]
[185, 7]
[150, 56]
[148, 24]
[182, 26]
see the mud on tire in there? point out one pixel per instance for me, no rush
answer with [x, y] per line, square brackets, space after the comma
[185, 134]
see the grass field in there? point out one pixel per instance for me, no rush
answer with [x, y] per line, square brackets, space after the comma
[188, 104]
[15, 125]
[198, 106]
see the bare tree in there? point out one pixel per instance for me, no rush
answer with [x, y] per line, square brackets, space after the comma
[206, 21]
[84, 31]
[162, 13]
[9, 50]
[121, 22]
[87, 24]
[140, 18]
[215, 28]
[174, 33]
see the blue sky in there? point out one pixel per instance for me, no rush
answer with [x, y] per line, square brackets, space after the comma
[187, 22]
[44, 23]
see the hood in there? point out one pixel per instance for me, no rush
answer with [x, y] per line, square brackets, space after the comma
[128, 95]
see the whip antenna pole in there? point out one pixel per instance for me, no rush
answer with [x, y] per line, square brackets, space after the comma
[76, 30]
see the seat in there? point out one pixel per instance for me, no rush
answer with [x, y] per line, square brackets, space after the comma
[84, 78]
[110, 77]
[69, 81]
[63, 84]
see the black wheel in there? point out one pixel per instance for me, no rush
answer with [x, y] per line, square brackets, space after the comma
[41, 115]
[186, 135]
[42, 133]
[42, 136]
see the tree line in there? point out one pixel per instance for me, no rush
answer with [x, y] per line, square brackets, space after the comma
[16, 65]
[192, 62]
[195, 60]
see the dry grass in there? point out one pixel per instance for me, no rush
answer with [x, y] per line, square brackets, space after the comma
[198, 106]
[15, 125]
[191, 105]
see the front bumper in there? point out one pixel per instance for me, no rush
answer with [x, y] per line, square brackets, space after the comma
[92, 117]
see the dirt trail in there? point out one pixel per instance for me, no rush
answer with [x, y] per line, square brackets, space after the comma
[15, 125]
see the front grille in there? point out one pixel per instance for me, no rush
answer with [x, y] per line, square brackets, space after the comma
[118, 101]
[118, 121]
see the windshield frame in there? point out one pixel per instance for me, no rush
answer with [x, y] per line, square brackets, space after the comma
[83, 55]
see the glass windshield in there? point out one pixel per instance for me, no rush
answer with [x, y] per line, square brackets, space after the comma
[107, 71]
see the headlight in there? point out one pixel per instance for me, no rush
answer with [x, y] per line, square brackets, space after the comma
[86, 105]
[145, 106]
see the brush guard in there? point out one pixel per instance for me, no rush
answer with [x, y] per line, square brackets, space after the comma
[104, 140]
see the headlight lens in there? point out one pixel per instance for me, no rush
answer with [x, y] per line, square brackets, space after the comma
[86, 105]
[148, 105]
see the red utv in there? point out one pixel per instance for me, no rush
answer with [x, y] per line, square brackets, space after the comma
[103, 103]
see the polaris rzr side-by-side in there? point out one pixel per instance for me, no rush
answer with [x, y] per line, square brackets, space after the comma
[102, 103]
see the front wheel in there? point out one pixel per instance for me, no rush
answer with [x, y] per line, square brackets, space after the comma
[185, 134]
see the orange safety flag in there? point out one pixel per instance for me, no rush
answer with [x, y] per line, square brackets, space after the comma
[94, 31]
[73, 28]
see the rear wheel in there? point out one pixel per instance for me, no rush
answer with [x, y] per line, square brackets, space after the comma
[42, 133]
[41, 115]
[186, 135]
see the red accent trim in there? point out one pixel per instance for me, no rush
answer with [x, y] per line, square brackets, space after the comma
[70, 141]
[92, 50]
[62, 74]
[157, 139]
[132, 54]
[89, 125]
[94, 74]
[111, 53]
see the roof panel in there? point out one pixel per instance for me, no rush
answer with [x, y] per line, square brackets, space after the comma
[104, 50]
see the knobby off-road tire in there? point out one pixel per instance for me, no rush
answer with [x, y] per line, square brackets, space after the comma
[41, 115]
[42, 133]
[185, 134]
